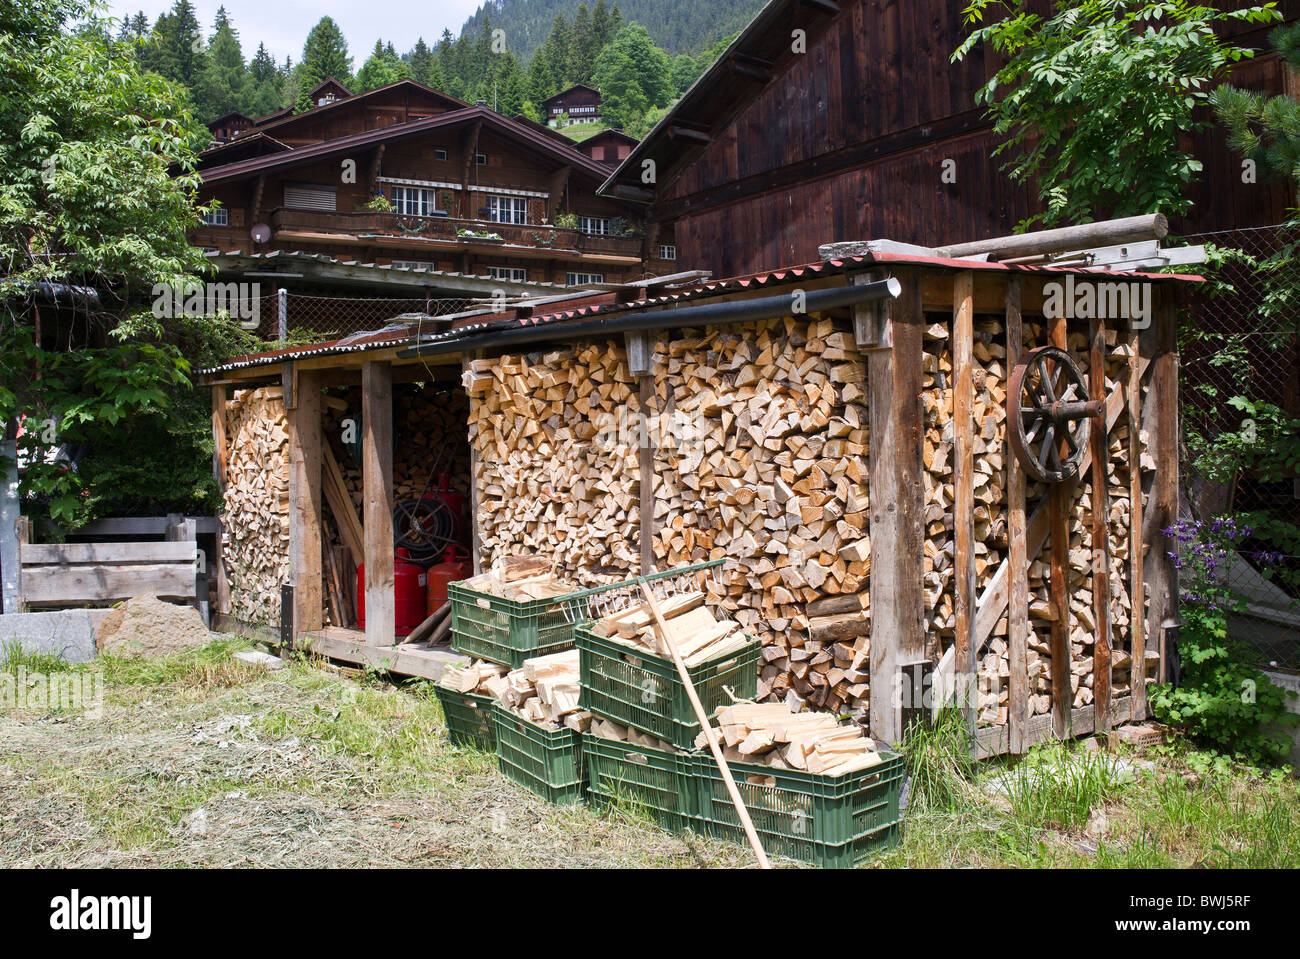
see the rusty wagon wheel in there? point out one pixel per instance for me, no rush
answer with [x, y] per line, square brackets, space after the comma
[1048, 425]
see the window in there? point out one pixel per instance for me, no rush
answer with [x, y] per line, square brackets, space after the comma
[667, 251]
[440, 154]
[518, 274]
[594, 224]
[480, 159]
[584, 279]
[507, 209]
[412, 265]
[413, 201]
[310, 196]
[217, 217]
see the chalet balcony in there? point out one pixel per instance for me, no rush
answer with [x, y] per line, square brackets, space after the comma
[413, 232]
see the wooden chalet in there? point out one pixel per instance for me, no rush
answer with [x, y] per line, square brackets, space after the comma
[610, 147]
[229, 126]
[872, 132]
[471, 191]
[838, 432]
[578, 104]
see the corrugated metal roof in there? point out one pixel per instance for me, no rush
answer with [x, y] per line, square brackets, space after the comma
[605, 303]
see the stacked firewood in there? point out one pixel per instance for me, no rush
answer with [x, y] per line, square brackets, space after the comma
[692, 629]
[937, 459]
[521, 578]
[479, 677]
[255, 522]
[545, 691]
[771, 734]
[558, 461]
[608, 729]
[761, 458]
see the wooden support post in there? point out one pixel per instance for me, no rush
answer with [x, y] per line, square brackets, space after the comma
[963, 334]
[10, 513]
[1100, 499]
[476, 547]
[646, 464]
[1018, 550]
[1160, 417]
[1060, 497]
[897, 509]
[377, 481]
[220, 453]
[305, 557]
[1137, 594]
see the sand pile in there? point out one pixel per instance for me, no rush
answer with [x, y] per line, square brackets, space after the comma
[147, 626]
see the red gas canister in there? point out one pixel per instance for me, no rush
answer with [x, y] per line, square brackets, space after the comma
[409, 592]
[453, 568]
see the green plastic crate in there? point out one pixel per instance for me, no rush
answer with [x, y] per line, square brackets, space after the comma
[643, 690]
[510, 631]
[838, 822]
[658, 781]
[470, 718]
[507, 631]
[545, 762]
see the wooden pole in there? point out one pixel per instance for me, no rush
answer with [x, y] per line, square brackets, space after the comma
[1059, 522]
[377, 480]
[219, 456]
[1099, 441]
[306, 559]
[1160, 417]
[897, 507]
[963, 334]
[1137, 593]
[709, 732]
[1018, 549]
[1152, 226]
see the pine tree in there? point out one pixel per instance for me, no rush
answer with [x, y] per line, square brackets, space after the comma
[222, 84]
[264, 84]
[324, 55]
[1262, 128]
[178, 52]
[555, 52]
[583, 48]
[424, 67]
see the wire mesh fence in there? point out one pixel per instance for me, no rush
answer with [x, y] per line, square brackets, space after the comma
[1240, 399]
[313, 318]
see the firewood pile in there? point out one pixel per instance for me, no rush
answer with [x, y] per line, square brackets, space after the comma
[764, 462]
[255, 522]
[697, 635]
[545, 691]
[556, 476]
[521, 578]
[771, 734]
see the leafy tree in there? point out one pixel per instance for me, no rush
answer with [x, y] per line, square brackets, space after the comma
[1094, 100]
[633, 76]
[87, 199]
[383, 66]
[324, 55]
[222, 85]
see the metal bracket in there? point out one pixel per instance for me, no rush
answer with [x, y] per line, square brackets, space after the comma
[286, 621]
[873, 323]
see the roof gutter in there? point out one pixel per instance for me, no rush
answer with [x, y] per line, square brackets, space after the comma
[703, 314]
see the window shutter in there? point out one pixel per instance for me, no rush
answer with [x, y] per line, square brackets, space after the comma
[310, 198]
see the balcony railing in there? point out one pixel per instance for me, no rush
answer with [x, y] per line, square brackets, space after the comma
[370, 222]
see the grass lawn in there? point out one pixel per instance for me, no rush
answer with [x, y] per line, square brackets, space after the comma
[201, 760]
[582, 131]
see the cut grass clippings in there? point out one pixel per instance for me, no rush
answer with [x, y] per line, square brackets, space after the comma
[198, 759]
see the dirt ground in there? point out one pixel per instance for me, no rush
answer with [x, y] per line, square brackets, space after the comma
[199, 760]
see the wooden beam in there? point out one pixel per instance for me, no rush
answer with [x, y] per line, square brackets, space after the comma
[1160, 416]
[377, 480]
[963, 334]
[1099, 440]
[897, 509]
[1136, 593]
[646, 463]
[341, 505]
[1018, 547]
[305, 557]
[1060, 497]
[469, 146]
[556, 189]
[476, 540]
[220, 455]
